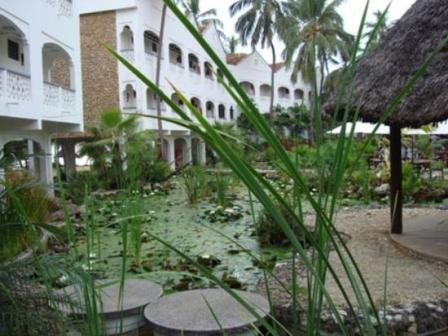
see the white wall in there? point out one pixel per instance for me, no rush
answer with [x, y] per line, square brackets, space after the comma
[41, 21]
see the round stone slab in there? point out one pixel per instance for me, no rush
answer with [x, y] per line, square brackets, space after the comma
[187, 313]
[136, 295]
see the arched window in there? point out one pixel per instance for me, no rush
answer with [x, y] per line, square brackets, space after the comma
[16, 47]
[249, 88]
[283, 93]
[208, 69]
[298, 94]
[193, 64]
[221, 111]
[232, 113]
[57, 66]
[176, 55]
[175, 98]
[197, 104]
[127, 38]
[210, 110]
[151, 101]
[265, 90]
[129, 97]
[152, 42]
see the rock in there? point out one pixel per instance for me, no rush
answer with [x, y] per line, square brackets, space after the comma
[232, 281]
[208, 261]
[382, 190]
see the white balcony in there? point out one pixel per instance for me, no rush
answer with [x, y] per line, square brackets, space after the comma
[63, 7]
[14, 87]
[59, 102]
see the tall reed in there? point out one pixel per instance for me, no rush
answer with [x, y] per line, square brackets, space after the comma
[319, 269]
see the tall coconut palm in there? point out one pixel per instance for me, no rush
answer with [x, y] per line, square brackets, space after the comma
[192, 8]
[314, 36]
[232, 44]
[376, 28]
[257, 25]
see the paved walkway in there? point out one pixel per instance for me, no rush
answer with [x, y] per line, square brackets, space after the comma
[427, 236]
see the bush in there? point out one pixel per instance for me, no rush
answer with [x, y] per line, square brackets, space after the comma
[195, 183]
[22, 203]
[270, 234]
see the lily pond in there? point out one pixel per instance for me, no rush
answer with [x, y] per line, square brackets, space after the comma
[197, 230]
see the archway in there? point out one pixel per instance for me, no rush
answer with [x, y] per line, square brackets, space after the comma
[57, 66]
[152, 42]
[265, 91]
[176, 56]
[193, 64]
[129, 97]
[126, 39]
[196, 102]
[14, 48]
[283, 92]
[210, 110]
[25, 156]
[221, 112]
[249, 88]
[180, 152]
[208, 70]
[299, 94]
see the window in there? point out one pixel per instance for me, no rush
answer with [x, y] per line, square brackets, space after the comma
[13, 50]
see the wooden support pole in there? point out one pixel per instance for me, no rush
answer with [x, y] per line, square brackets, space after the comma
[396, 190]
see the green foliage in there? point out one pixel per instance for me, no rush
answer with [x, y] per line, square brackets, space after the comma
[411, 182]
[195, 183]
[220, 185]
[23, 203]
[121, 156]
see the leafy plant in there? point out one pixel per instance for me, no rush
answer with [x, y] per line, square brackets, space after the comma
[324, 202]
[195, 183]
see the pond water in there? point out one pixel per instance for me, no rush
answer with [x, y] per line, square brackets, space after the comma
[172, 219]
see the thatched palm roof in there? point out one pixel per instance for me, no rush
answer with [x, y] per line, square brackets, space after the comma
[381, 74]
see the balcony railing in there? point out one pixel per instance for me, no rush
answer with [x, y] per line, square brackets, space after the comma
[63, 7]
[14, 87]
[58, 101]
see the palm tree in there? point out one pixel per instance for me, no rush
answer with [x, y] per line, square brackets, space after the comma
[158, 71]
[232, 43]
[106, 148]
[314, 36]
[257, 25]
[192, 8]
[376, 28]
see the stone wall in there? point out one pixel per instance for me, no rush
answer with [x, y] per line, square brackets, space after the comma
[99, 69]
[60, 72]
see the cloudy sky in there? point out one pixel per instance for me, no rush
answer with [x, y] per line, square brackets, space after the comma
[351, 10]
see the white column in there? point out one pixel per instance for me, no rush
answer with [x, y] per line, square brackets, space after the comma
[46, 166]
[31, 157]
[187, 153]
[202, 153]
[170, 154]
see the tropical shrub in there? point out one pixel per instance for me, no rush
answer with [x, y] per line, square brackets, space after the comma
[23, 203]
[194, 180]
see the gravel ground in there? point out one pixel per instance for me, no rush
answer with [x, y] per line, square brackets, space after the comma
[410, 277]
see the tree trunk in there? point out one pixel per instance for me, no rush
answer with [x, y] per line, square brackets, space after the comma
[396, 191]
[271, 105]
[158, 70]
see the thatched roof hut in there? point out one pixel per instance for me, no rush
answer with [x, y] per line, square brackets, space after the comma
[382, 74]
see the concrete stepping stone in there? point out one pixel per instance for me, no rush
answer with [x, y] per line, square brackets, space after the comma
[137, 294]
[187, 313]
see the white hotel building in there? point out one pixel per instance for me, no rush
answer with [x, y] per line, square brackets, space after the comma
[40, 77]
[135, 34]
